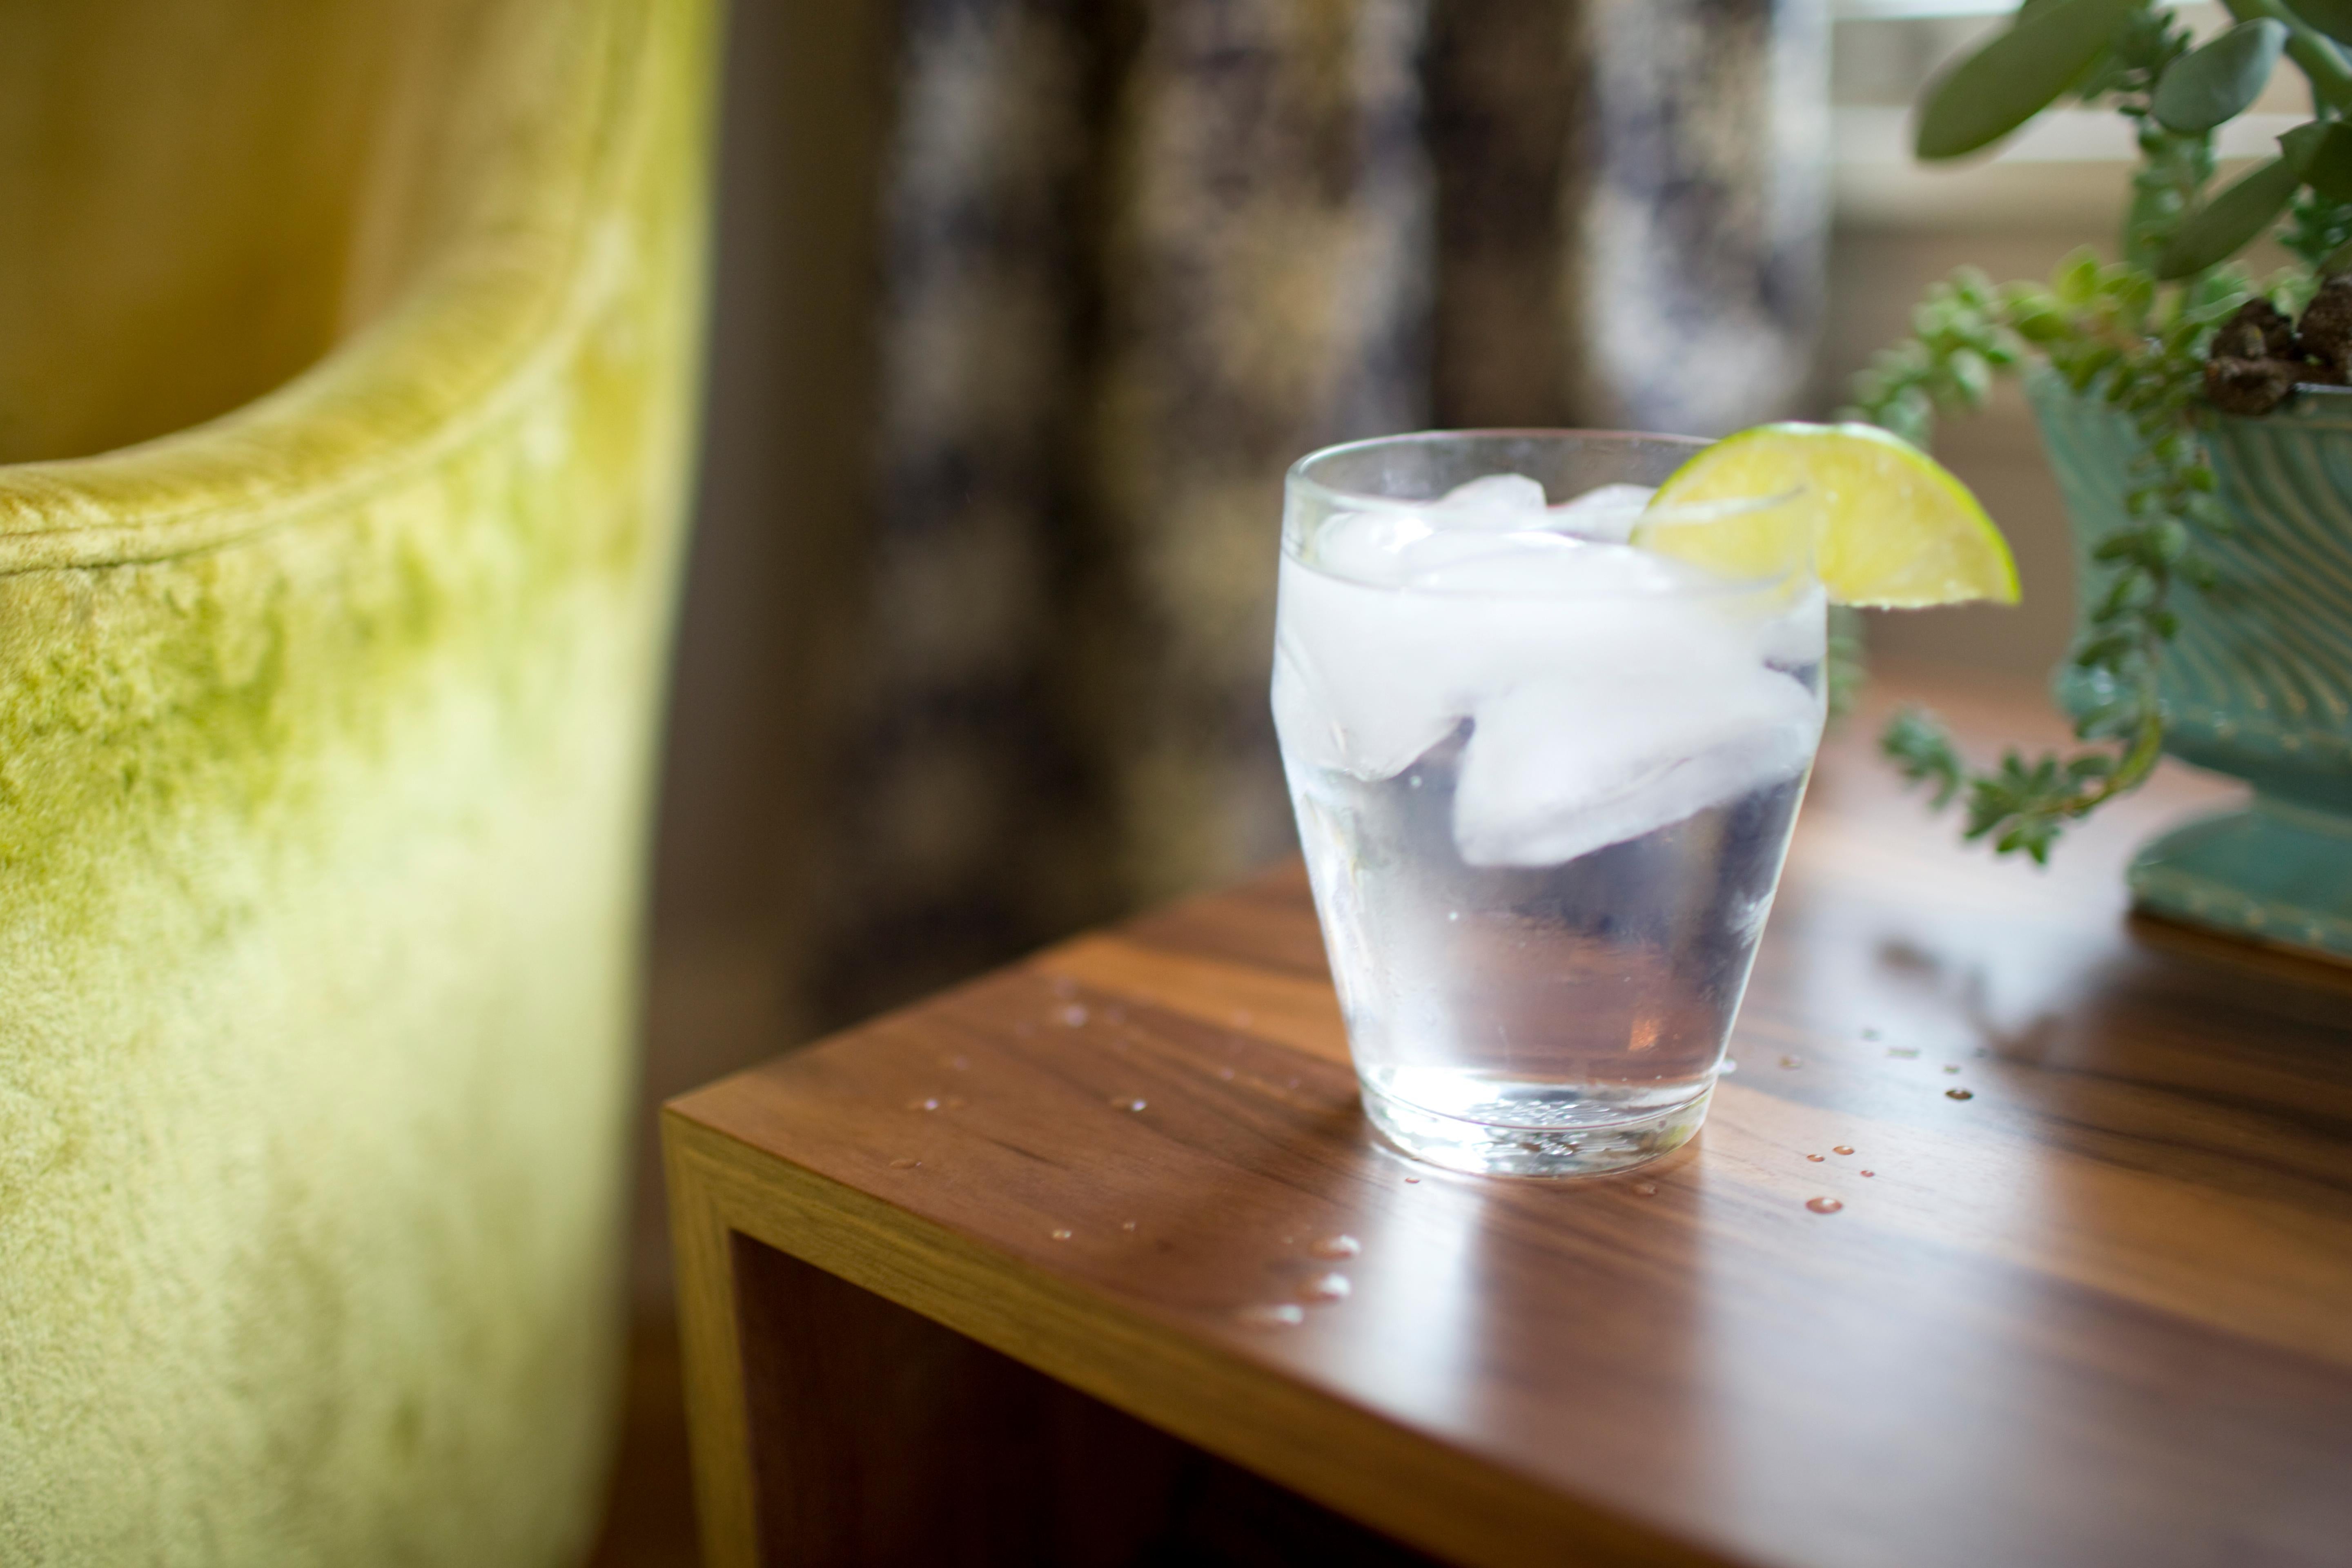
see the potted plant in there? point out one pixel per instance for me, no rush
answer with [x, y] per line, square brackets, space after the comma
[2199, 423]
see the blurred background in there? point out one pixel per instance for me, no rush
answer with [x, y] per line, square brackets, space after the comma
[1022, 308]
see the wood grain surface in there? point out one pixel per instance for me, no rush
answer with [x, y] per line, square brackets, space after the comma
[2088, 1299]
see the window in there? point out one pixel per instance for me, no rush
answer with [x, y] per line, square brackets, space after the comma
[2066, 165]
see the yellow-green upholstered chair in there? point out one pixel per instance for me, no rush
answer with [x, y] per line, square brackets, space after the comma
[347, 354]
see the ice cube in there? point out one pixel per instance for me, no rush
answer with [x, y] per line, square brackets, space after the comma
[1534, 561]
[1368, 678]
[1605, 512]
[1591, 671]
[1492, 500]
[1395, 542]
[1363, 681]
[1568, 763]
[1469, 560]
[1799, 633]
[1369, 546]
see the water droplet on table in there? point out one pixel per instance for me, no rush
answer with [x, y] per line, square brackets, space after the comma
[1073, 1016]
[904, 1165]
[1823, 1206]
[1413, 1181]
[1817, 1159]
[1127, 1101]
[1906, 1052]
[1127, 1225]
[1281, 1315]
[930, 1104]
[1951, 1066]
[1870, 1172]
[1340, 1246]
[1959, 1094]
[1646, 1189]
[1842, 1149]
[1061, 1233]
[1325, 1287]
[1727, 1068]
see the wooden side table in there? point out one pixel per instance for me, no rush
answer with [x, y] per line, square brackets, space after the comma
[992, 1279]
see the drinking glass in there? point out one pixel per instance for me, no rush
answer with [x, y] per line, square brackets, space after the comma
[1545, 778]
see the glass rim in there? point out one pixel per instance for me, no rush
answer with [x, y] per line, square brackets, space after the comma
[1298, 482]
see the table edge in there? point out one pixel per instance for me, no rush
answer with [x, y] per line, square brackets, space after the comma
[1415, 1486]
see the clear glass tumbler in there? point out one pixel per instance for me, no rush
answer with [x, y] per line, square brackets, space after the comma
[1545, 778]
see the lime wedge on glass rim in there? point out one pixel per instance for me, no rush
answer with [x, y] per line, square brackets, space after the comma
[1891, 528]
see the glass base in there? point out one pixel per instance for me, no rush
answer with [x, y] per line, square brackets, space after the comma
[1490, 1148]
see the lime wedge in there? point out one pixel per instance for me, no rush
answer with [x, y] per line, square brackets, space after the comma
[1892, 528]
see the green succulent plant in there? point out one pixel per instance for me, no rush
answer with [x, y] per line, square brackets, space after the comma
[2135, 332]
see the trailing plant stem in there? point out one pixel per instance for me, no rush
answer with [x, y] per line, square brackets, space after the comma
[2115, 336]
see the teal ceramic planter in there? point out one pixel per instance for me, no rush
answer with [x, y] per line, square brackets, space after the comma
[2258, 684]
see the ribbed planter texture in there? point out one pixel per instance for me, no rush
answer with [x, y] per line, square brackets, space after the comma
[350, 354]
[2258, 684]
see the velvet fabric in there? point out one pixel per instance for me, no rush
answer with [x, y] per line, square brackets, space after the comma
[350, 354]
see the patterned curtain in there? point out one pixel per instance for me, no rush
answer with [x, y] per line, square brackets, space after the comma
[1140, 255]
